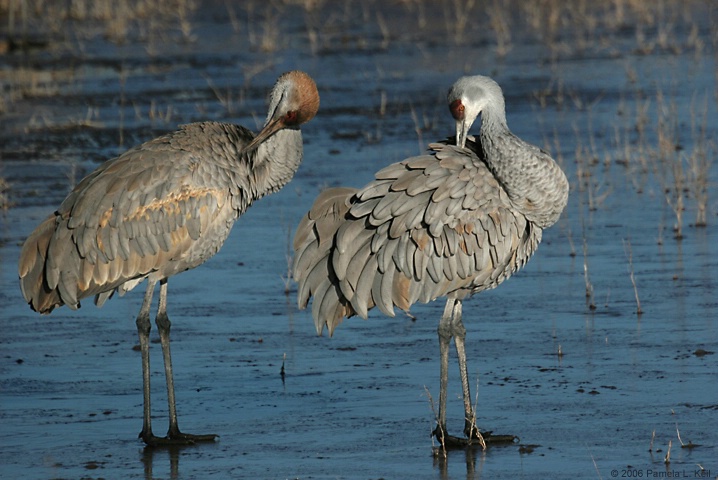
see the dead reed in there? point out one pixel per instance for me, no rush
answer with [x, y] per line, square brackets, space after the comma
[590, 302]
[500, 22]
[439, 451]
[472, 420]
[289, 257]
[629, 257]
[700, 159]
[4, 194]
[457, 14]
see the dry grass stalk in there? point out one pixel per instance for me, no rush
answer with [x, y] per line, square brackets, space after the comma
[123, 83]
[232, 15]
[653, 437]
[4, 199]
[699, 160]
[678, 433]
[569, 237]
[385, 31]
[595, 465]
[629, 256]
[589, 287]
[587, 158]
[474, 427]
[667, 458]
[441, 450]
[670, 160]
[499, 22]
[267, 39]
[417, 126]
[457, 17]
[160, 114]
[185, 9]
[287, 278]
[224, 98]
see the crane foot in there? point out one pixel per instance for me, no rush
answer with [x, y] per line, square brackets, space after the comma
[176, 439]
[450, 442]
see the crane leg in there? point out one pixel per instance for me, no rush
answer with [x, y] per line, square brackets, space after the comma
[143, 330]
[451, 326]
[444, 331]
[174, 436]
[470, 429]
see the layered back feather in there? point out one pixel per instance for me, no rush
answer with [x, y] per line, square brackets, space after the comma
[158, 209]
[434, 225]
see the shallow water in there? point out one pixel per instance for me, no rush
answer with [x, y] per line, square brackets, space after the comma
[358, 405]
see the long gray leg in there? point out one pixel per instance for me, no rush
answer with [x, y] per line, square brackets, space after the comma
[163, 325]
[445, 335]
[459, 331]
[471, 430]
[143, 330]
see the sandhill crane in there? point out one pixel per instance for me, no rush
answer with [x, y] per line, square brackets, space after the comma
[159, 209]
[456, 221]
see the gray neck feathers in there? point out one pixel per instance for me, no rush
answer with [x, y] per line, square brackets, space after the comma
[535, 183]
[275, 161]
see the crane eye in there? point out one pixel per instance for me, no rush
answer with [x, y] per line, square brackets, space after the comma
[457, 110]
[291, 118]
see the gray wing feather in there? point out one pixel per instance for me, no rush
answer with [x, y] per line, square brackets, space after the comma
[362, 300]
[134, 215]
[375, 189]
[347, 246]
[349, 281]
[383, 292]
[429, 226]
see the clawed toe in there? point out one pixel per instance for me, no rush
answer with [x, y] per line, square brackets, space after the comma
[476, 438]
[193, 438]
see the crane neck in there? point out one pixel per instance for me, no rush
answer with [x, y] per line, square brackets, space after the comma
[533, 180]
[275, 161]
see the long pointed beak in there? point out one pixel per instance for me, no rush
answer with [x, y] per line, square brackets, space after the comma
[462, 130]
[269, 129]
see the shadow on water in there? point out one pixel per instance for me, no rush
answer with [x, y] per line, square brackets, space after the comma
[470, 455]
[623, 97]
[167, 461]
[168, 458]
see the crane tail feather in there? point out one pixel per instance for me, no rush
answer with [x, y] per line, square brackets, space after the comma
[31, 269]
[313, 251]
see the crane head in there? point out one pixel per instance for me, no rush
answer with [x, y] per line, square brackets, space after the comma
[468, 98]
[294, 101]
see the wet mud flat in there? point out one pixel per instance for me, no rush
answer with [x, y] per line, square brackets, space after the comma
[622, 95]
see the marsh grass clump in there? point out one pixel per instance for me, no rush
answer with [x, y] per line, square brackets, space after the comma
[699, 160]
[683, 170]
[262, 27]
[70, 24]
[500, 22]
[686, 165]
[457, 14]
[4, 194]
[663, 137]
